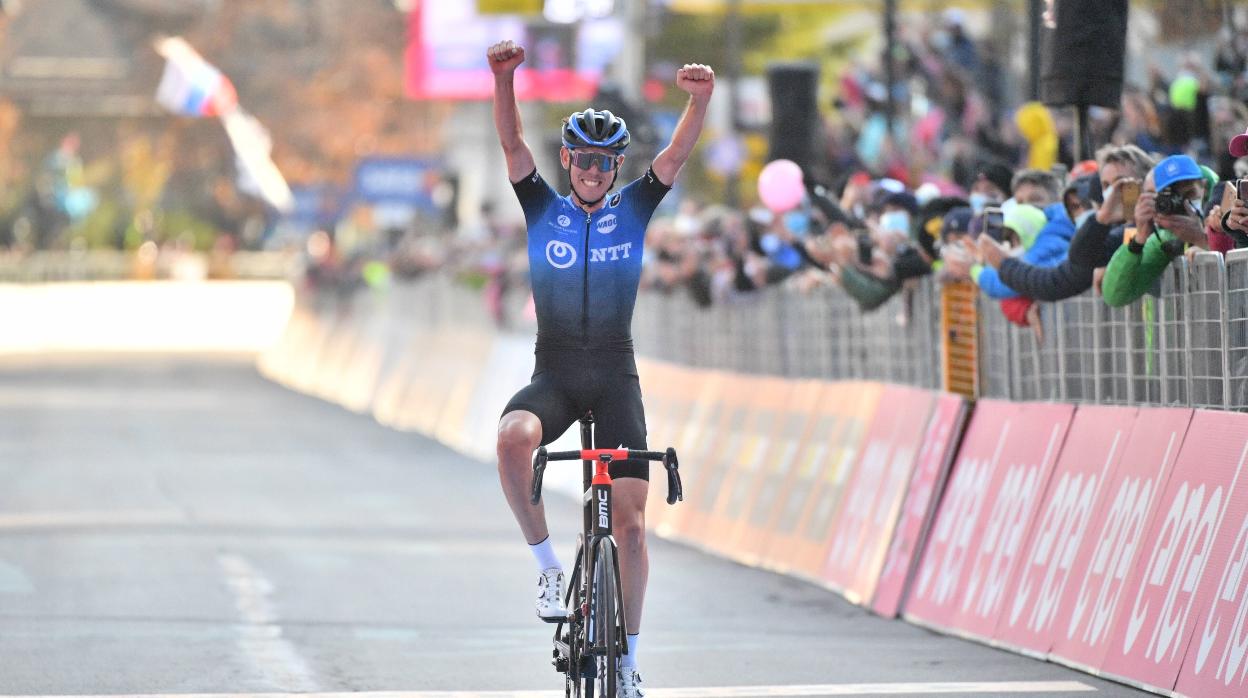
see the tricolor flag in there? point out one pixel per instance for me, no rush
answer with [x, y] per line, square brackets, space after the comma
[191, 86]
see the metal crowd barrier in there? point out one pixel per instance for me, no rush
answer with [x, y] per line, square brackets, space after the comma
[1186, 345]
[780, 331]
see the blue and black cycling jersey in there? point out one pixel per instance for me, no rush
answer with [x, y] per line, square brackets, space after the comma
[585, 267]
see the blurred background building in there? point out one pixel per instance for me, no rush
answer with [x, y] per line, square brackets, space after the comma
[379, 112]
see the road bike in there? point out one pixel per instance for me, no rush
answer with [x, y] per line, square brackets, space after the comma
[590, 641]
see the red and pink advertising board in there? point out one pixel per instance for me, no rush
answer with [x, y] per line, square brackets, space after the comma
[1002, 469]
[1111, 544]
[875, 491]
[1088, 460]
[1183, 565]
[1217, 655]
[935, 455]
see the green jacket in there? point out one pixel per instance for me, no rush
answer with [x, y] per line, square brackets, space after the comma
[869, 290]
[1130, 275]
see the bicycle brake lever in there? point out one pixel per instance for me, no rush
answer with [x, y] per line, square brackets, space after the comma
[675, 491]
[539, 469]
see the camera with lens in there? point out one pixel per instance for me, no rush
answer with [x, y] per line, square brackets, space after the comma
[1170, 202]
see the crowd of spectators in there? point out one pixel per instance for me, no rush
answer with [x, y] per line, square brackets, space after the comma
[970, 192]
[962, 189]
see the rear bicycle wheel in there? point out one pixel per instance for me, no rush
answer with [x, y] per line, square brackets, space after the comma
[607, 609]
[574, 630]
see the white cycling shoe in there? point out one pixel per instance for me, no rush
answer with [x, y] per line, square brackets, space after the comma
[629, 683]
[550, 606]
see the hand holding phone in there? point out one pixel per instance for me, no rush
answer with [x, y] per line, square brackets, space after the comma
[994, 223]
[1130, 195]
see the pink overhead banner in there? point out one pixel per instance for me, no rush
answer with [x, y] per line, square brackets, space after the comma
[447, 41]
[1183, 560]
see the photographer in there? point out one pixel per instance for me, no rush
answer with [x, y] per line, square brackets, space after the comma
[1098, 236]
[1233, 222]
[1168, 217]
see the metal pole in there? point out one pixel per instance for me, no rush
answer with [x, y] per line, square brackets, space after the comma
[890, 69]
[1035, 9]
[732, 66]
[632, 60]
[1083, 147]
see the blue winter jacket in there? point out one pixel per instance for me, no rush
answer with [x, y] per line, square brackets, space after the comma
[1049, 250]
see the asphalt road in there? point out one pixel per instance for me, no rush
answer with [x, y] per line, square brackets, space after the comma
[181, 525]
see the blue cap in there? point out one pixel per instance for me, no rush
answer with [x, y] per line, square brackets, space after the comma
[957, 221]
[1176, 168]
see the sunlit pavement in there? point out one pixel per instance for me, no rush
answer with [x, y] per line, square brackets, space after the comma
[180, 525]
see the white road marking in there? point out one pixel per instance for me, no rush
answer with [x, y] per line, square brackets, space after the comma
[260, 640]
[844, 689]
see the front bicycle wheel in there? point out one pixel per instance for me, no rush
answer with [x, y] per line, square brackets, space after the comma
[607, 609]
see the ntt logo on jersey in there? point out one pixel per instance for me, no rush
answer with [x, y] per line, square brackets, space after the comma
[564, 221]
[607, 223]
[560, 254]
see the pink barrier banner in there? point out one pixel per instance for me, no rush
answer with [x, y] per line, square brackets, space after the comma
[935, 456]
[999, 479]
[1217, 656]
[1111, 545]
[876, 488]
[1089, 458]
[1198, 517]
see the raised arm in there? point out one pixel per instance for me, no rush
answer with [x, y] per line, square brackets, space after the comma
[504, 57]
[698, 80]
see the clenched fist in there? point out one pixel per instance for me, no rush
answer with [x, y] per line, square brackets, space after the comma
[505, 56]
[696, 79]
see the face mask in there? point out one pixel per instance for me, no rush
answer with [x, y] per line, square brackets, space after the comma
[978, 202]
[1007, 206]
[1194, 206]
[1083, 217]
[797, 222]
[895, 221]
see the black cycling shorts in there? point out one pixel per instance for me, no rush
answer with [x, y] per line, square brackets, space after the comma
[568, 383]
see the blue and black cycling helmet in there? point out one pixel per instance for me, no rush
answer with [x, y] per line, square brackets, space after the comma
[595, 129]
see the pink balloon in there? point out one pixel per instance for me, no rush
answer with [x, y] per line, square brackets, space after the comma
[780, 185]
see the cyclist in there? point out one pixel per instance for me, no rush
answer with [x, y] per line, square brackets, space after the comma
[585, 265]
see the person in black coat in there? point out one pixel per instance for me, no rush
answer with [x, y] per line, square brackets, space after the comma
[1096, 239]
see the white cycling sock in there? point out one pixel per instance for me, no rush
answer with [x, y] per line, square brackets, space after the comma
[630, 660]
[544, 553]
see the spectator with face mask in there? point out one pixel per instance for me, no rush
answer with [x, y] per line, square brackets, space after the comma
[992, 185]
[1047, 246]
[1168, 217]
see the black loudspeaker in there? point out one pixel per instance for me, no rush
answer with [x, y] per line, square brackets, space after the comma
[795, 130]
[1082, 61]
